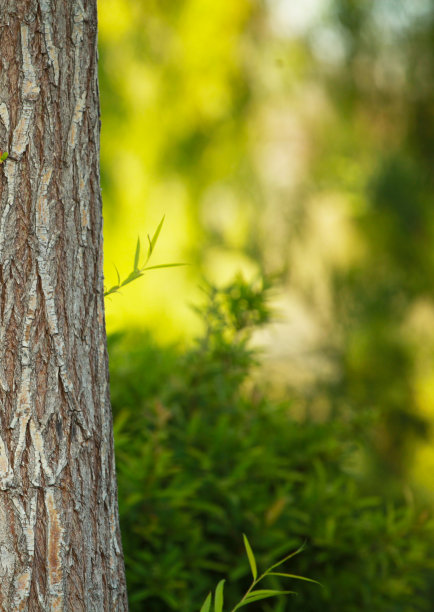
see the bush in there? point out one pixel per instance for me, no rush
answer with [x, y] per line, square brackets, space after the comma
[203, 455]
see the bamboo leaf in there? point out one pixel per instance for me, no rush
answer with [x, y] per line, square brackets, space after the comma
[218, 598]
[206, 606]
[118, 275]
[137, 255]
[169, 265]
[296, 552]
[261, 594]
[254, 595]
[131, 277]
[149, 249]
[157, 233]
[251, 557]
[153, 240]
[294, 576]
[113, 289]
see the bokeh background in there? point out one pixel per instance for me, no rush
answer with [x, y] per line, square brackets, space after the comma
[293, 142]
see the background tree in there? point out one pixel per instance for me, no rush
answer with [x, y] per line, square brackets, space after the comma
[60, 545]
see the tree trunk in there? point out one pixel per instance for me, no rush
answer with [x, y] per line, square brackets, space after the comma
[60, 546]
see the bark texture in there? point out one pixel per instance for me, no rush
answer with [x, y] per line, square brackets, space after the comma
[60, 545]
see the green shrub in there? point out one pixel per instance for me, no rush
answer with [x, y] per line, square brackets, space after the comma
[203, 455]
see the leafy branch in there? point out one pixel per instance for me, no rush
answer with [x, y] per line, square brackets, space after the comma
[138, 271]
[252, 594]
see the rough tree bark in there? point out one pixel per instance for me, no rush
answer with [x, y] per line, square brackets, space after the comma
[60, 545]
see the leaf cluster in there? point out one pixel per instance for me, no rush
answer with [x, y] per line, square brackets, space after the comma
[253, 594]
[138, 270]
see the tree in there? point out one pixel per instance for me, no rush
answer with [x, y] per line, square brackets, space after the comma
[60, 546]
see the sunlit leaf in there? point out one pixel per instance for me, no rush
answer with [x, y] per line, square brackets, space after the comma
[251, 557]
[261, 594]
[131, 277]
[206, 606]
[118, 275]
[218, 598]
[296, 552]
[137, 255]
[153, 240]
[294, 576]
[113, 289]
[169, 265]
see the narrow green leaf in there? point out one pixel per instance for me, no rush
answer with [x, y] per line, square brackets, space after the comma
[4, 156]
[113, 289]
[137, 255]
[206, 606]
[149, 249]
[153, 241]
[118, 275]
[131, 277]
[218, 598]
[250, 556]
[293, 576]
[169, 265]
[261, 594]
[265, 593]
[296, 552]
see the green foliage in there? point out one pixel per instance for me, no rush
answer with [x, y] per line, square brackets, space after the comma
[137, 270]
[3, 156]
[307, 149]
[203, 454]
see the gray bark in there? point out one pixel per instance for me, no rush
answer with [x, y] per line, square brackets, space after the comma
[60, 546]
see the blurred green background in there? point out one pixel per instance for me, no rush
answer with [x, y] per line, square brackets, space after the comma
[291, 142]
